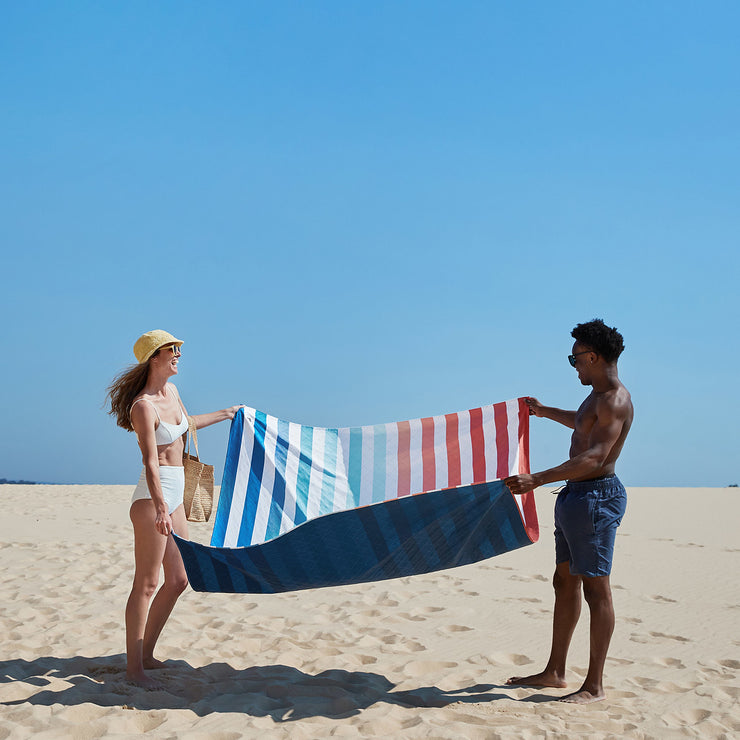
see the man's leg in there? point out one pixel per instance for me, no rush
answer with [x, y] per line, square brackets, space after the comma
[564, 619]
[598, 594]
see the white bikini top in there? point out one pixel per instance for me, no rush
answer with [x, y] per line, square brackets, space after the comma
[166, 434]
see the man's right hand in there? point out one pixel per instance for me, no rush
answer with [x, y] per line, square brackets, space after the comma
[519, 484]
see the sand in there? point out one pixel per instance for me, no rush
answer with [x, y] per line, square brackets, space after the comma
[419, 657]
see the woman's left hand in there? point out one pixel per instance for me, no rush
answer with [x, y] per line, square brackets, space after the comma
[163, 522]
[231, 412]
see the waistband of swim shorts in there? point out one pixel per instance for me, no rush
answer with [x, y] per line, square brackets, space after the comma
[604, 483]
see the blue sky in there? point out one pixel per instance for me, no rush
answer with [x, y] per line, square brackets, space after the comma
[363, 212]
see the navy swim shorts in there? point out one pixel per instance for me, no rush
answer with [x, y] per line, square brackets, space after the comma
[587, 514]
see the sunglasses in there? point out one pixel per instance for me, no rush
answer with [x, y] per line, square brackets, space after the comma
[572, 358]
[174, 349]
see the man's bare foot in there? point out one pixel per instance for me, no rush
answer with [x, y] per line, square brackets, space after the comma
[550, 680]
[142, 680]
[583, 697]
[152, 664]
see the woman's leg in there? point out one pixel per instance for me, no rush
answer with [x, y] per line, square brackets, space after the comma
[175, 582]
[149, 550]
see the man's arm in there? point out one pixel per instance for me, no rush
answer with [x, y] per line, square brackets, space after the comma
[567, 418]
[604, 434]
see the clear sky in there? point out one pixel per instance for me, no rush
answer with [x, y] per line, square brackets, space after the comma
[358, 212]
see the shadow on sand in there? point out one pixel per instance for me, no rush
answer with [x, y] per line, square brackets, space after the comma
[280, 692]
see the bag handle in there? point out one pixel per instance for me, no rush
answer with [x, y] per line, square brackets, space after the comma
[192, 432]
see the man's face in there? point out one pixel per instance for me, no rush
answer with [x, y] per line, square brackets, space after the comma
[583, 358]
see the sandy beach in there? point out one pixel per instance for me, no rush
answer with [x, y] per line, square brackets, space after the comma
[419, 657]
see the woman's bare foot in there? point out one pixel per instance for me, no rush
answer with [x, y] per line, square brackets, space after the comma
[141, 679]
[152, 664]
[582, 696]
[550, 680]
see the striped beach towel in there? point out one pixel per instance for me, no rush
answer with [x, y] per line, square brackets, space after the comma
[303, 507]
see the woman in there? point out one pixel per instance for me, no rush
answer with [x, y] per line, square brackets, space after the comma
[144, 401]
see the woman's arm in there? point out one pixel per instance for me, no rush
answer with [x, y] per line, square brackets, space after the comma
[206, 420]
[143, 419]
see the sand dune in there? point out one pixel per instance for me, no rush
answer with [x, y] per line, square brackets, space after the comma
[419, 657]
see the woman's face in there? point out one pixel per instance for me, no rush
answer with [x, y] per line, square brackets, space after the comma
[167, 357]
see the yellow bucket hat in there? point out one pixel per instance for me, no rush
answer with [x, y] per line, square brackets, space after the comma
[147, 344]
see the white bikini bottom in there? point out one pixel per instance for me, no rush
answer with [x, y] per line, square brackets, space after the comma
[172, 478]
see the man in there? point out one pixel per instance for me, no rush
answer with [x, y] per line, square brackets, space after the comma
[588, 510]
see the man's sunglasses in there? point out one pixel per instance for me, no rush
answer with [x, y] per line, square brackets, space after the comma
[572, 358]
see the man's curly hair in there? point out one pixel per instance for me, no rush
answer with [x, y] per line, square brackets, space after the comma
[602, 339]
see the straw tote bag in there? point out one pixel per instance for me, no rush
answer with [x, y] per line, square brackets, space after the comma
[198, 496]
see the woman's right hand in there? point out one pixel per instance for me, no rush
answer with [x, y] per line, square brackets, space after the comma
[163, 522]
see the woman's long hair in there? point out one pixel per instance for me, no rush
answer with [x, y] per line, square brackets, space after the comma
[123, 390]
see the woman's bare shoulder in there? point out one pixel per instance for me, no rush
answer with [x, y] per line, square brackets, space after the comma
[143, 408]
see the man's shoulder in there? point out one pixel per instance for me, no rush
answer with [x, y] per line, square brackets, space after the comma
[616, 400]
[622, 395]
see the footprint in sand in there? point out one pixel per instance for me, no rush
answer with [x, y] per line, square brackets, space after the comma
[366, 659]
[385, 599]
[709, 674]
[669, 662]
[730, 663]
[732, 692]
[669, 687]
[663, 635]
[455, 628]
[644, 682]
[412, 617]
[401, 645]
[412, 646]
[619, 661]
[419, 668]
[686, 718]
[621, 695]
[371, 613]
[511, 659]
[663, 599]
